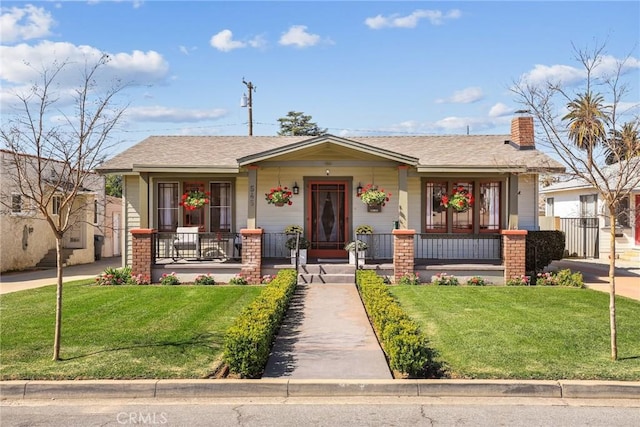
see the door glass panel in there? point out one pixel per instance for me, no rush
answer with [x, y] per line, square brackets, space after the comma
[328, 216]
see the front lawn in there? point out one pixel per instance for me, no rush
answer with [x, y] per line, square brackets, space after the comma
[525, 332]
[119, 332]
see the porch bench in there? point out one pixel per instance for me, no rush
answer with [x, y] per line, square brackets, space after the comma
[187, 240]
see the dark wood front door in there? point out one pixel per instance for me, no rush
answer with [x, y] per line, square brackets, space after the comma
[327, 207]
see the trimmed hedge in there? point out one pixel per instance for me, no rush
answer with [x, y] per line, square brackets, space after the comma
[406, 347]
[248, 341]
[542, 247]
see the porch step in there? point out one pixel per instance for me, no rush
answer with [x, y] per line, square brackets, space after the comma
[327, 273]
[49, 260]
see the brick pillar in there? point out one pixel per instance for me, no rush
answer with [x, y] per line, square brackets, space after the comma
[514, 253]
[252, 255]
[142, 255]
[403, 258]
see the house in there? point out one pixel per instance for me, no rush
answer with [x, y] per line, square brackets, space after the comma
[575, 207]
[26, 240]
[326, 175]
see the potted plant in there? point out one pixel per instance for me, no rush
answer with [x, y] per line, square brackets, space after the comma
[372, 196]
[194, 199]
[279, 196]
[303, 244]
[353, 246]
[460, 200]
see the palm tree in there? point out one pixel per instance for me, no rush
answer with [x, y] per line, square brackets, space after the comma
[624, 144]
[587, 118]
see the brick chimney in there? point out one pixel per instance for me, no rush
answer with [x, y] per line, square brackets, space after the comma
[522, 132]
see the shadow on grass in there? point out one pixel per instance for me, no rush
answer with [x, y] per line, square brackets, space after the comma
[201, 340]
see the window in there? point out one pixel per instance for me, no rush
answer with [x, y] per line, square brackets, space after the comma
[56, 204]
[220, 206]
[167, 206]
[549, 207]
[485, 210]
[463, 220]
[588, 208]
[622, 214]
[16, 203]
[490, 206]
[195, 217]
[436, 214]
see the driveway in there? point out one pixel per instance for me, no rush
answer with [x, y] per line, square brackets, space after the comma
[20, 280]
[595, 273]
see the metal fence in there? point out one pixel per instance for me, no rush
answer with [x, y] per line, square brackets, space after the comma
[582, 237]
[197, 246]
[458, 246]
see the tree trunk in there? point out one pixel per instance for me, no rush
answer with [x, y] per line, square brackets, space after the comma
[58, 327]
[612, 284]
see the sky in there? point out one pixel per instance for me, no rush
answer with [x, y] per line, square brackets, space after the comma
[358, 68]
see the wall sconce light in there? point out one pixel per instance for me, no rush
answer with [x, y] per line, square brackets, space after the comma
[327, 172]
[295, 188]
[359, 190]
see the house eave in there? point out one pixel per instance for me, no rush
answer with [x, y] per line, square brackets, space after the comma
[467, 169]
[185, 169]
[342, 142]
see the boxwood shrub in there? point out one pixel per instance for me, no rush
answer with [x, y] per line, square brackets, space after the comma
[405, 345]
[248, 341]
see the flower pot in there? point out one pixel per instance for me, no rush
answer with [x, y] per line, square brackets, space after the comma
[279, 204]
[302, 260]
[352, 258]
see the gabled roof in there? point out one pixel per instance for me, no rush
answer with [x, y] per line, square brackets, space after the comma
[450, 153]
[629, 172]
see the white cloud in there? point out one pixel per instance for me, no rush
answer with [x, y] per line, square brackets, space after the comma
[258, 42]
[26, 23]
[560, 74]
[500, 110]
[224, 42]
[187, 50]
[175, 115]
[23, 63]
[464, 96]
[298, 36]
[435, 17]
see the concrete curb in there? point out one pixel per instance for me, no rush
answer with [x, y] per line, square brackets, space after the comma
[160, 389]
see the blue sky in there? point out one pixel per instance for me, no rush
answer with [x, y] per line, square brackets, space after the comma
[358, 67]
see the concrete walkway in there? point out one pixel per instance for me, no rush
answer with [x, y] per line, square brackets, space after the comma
[327, 335]
[21, 280]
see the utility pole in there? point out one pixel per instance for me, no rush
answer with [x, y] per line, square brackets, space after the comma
[248, 102]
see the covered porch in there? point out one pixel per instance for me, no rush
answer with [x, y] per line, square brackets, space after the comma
[254, 253]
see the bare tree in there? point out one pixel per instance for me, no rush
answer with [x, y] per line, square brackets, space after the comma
[581, 124]
[53, 152]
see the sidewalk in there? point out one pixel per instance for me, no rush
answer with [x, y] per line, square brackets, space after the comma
[326, 334]
[21, 280]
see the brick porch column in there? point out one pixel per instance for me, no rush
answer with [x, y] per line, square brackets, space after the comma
[252, 254]
[403, 258]
[514, 253]
[142, 251]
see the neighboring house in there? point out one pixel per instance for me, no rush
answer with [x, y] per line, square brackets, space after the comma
[326, 173]
[577, 208]
[26, 240]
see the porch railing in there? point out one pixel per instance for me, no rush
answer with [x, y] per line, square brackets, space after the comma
[197, 246]
[458, 246]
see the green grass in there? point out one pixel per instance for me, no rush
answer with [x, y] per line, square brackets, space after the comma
[525, 333]
[119, 332]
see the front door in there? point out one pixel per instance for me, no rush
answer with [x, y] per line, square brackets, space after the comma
[327, 220]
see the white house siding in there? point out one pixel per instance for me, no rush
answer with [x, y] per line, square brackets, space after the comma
[240, 201]
[131, 200]
[528, 202]
[274, 219]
